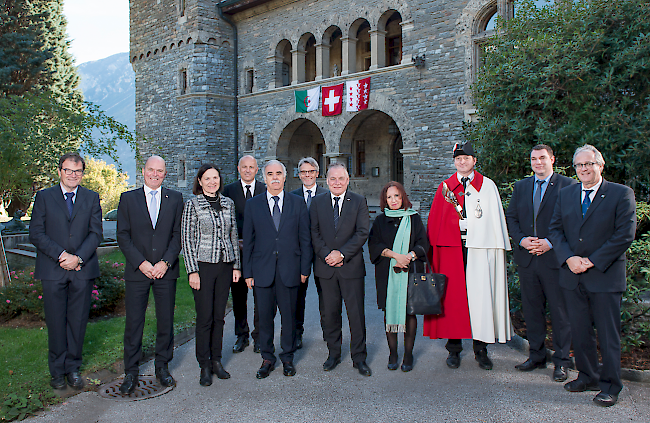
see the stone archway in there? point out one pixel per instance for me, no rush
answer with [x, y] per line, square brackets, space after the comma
[367, 147]
[300, 138]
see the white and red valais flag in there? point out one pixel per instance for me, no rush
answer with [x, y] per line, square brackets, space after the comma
[332, 98]
[357, 94]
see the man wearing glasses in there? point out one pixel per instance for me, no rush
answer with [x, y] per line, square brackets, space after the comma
[593, 225]
[66, 228]
[309, 171]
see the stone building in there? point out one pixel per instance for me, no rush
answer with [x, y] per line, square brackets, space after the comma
[216, 80]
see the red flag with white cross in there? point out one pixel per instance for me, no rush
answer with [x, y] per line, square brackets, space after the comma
[357, 94]
[332, 100]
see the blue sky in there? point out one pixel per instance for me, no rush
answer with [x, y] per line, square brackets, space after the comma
[97, 28]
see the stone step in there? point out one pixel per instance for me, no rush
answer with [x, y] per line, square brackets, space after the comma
[27, 247]
[23, 253]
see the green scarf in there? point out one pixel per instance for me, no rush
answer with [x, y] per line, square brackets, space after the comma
[398, 282]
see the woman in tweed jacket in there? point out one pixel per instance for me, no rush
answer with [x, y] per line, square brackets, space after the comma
[211, 250]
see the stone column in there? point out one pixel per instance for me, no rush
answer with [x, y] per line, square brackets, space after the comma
[349, 53]
[297, 67]
[407, 27]
[377, 48]
[322, 61]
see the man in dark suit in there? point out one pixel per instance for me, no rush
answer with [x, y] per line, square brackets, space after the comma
[339, 228]
[66, 228]
[309, 171]
[240, 192]
[593, 225]
[528, 216]
[276, 260]
[148, 232]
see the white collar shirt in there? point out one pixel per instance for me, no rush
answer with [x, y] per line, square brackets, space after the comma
[342, 197]
[271, 201]
[243, 187]
[64, 191]
[594, 189]
[157, 197]
[305, 194]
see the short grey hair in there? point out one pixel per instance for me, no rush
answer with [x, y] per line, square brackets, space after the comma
[337, 165]
[243, 157]
[311, 161]
[272, 162]
[588, 147]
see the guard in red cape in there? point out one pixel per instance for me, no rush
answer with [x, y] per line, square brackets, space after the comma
[468, 235]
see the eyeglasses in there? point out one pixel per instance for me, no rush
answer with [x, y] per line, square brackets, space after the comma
[69, 172]
[308, 172]
[578, 166]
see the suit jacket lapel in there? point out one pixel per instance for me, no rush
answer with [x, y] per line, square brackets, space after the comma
[60, 200]
[78, 201]
[549, 189]
[164, 200]
[344, 209]
[598, 199]
[287, 208]
[141, 200]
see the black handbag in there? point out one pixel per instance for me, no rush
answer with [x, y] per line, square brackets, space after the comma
[425, 292]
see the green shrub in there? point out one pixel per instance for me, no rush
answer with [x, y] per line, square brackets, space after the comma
[25, 294]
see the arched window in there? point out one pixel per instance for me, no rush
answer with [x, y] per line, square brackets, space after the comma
[394, 39]
[283, 64]
[364, 50]
[310, 59]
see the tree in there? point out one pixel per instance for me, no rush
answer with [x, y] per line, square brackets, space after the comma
[566, 75]
[106, 180]
[42, 112]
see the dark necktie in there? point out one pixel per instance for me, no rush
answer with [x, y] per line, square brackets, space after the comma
[586, 202]
[308, 198]
[464, 180]
[248, 192]
[276, 212]
[69, 203]
[537, 199]
[336, 212]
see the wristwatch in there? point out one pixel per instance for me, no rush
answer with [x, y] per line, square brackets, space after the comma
[80, 260]
[167, 263]
[413, 256]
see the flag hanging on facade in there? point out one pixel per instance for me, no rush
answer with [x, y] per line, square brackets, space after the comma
[332, 100]
[357, 94]
[308, 100]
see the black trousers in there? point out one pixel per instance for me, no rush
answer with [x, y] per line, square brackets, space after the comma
[67, 304]
[602, 310]
[334, 292]
[269, 299]
[300, 311]
[456, 345]
[136, 300]
[539, 286]
[239, 293]
[210, 303]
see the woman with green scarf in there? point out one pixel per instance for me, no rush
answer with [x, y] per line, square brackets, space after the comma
[397, 238]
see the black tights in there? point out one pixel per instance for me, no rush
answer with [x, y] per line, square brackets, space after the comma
[409, 340]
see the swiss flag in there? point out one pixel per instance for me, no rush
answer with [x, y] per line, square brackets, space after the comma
[357, 94]
[332, 100]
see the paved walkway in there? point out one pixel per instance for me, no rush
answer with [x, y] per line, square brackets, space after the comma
[430, 393]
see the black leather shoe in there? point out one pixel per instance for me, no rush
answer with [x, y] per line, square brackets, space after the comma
[75, 380]
[392, 362]
[217, 369]
[560, 373]
[256, 347]
[206, 376]
[164, 377]
[578, 385]
[289, 369]
[265, 370]
[484, 361]
[407, 363]
[299, 341]
[363, 368]
[129, 384]
[605, 400]
[240, 345]
[453, 360]
[331, 363]
[58, 382]
[529, 365]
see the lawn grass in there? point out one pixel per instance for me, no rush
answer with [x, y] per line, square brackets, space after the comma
[24, 371]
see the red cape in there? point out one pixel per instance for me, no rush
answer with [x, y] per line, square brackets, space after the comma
[447, 258]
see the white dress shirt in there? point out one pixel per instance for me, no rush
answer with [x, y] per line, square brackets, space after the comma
[74, 197]
[243, 187]
[462, 223]
[271, 201]
[342, 197]
[148, 196]
[594, 189]
[304, 192]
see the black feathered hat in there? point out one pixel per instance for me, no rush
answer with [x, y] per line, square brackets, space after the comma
[463, 149]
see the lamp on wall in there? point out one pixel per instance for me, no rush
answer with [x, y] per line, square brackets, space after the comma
[375, 172]
[418, 60]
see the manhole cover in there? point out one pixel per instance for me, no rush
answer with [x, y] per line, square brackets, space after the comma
[148, 387]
